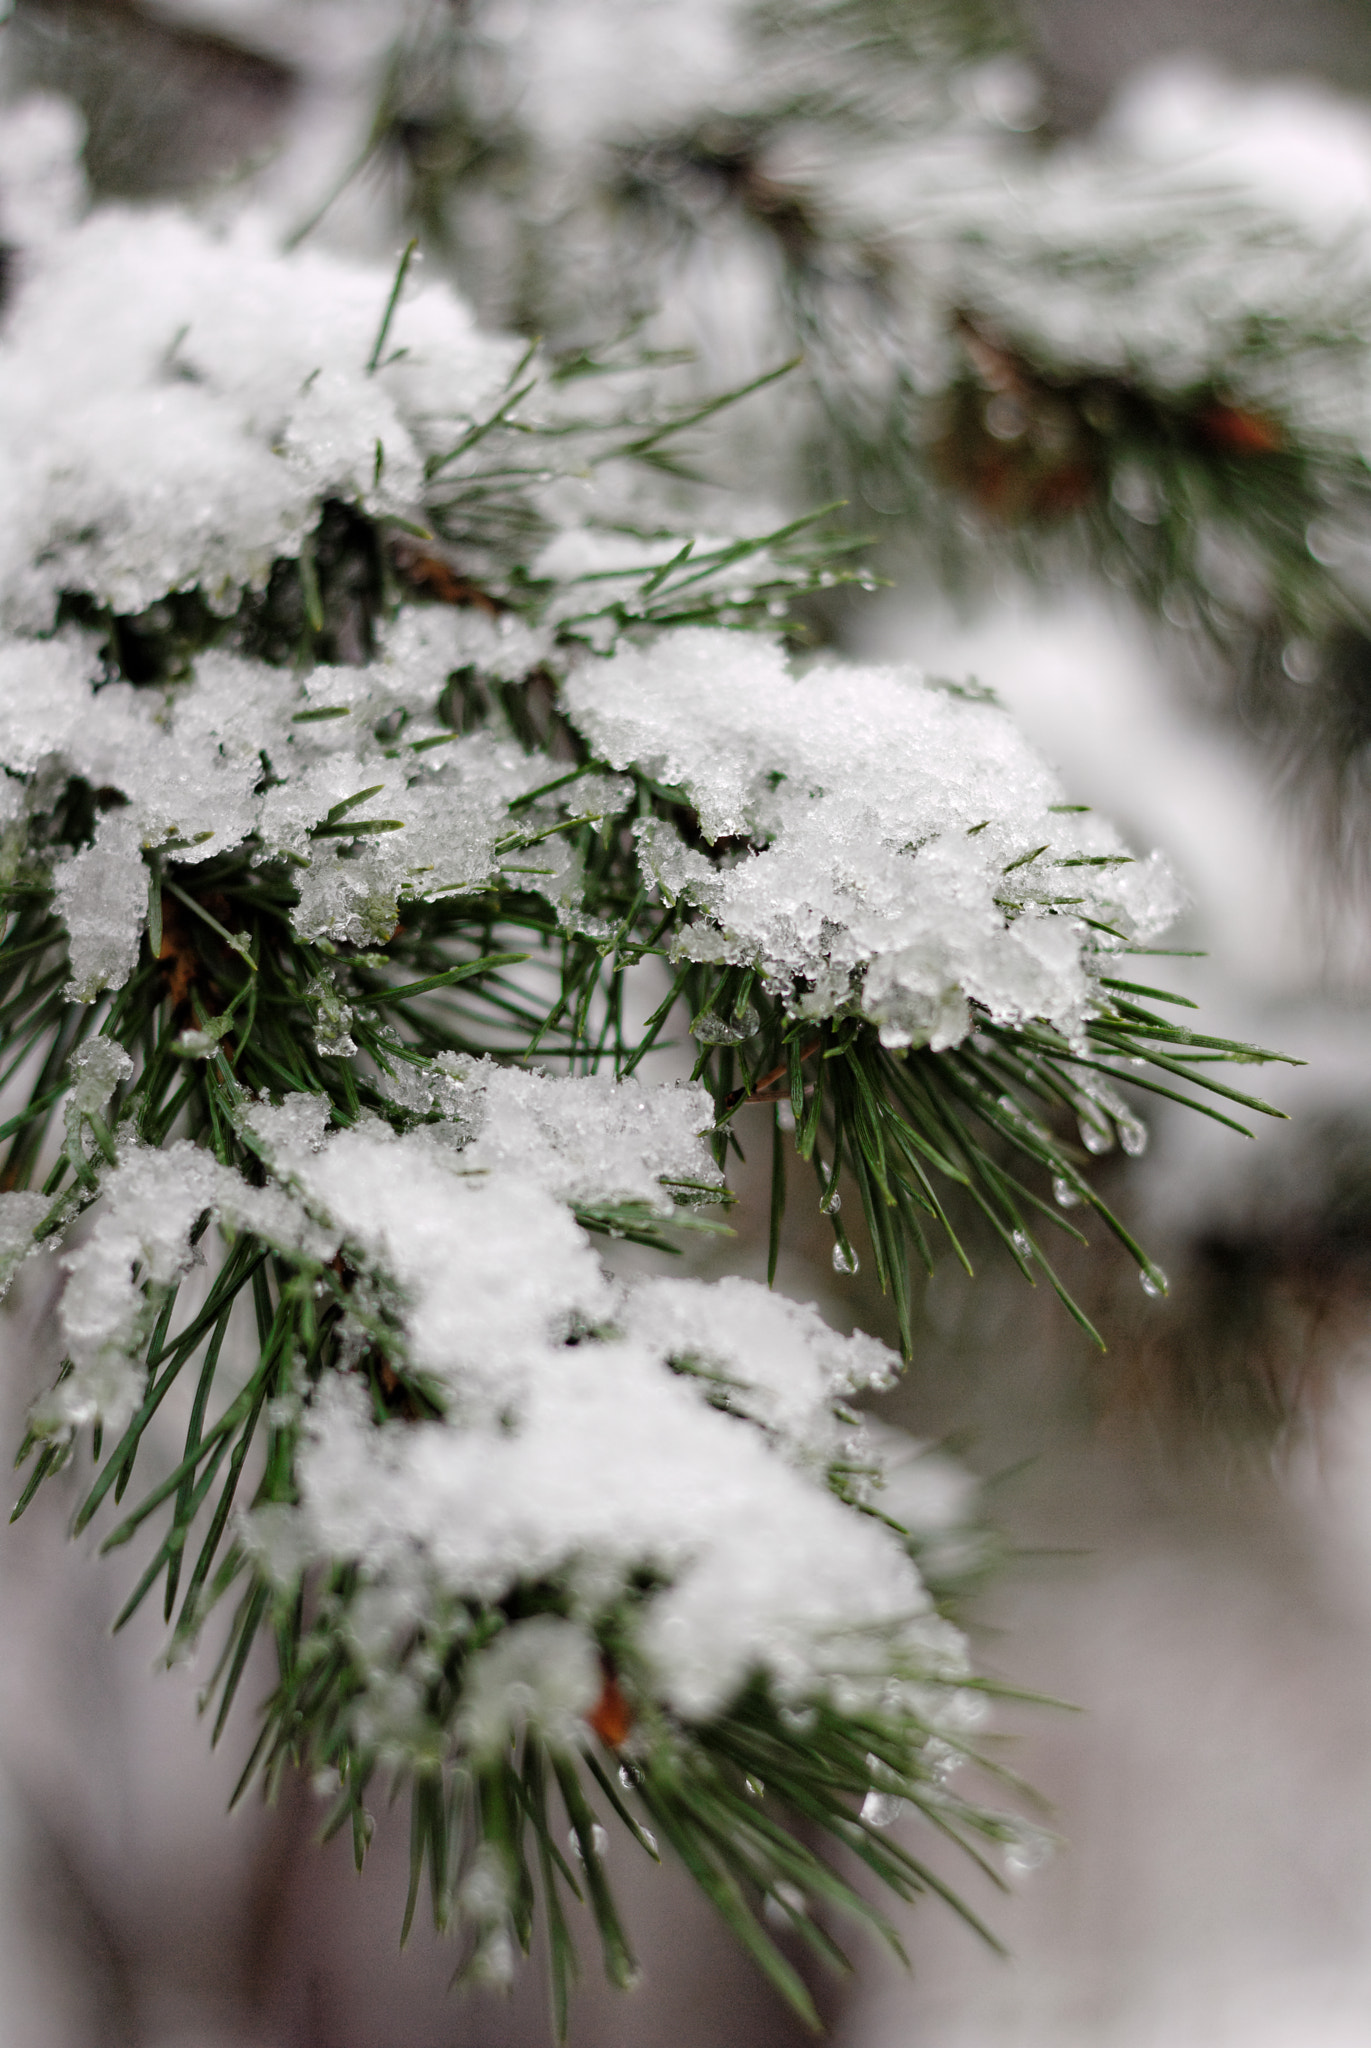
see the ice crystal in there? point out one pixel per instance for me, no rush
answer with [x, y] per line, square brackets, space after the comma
[103, 897]
[97, 1068]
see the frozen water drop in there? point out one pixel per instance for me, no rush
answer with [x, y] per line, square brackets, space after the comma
[1154, 1281]
[599, 1842]
[1136, 494]
[1063, 1194]
[1022, 1245]
[1095, 1138]
[1006, 418]
[881, 1809]
[1028, 1852]
[831, 1203]
[845, 1260]
[1133, 1135]
[711, 1029]
[784, 1904]
[942, 1759]
[785, 1116]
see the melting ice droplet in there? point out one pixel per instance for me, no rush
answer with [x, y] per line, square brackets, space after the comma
[1154, 1281]
[599, 1842]
[1063, 1194]
[711, 1029]
[845, 1260]
[1029, 1851]
[1133, 1135]
[880, 1809]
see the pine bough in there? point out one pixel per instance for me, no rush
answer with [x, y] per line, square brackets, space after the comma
[373, 735]
[1068, 355]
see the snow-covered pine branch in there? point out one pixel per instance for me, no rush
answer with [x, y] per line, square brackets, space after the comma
[1009, 347]
[368, 732]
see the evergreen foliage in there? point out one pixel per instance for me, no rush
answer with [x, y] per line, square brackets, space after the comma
[379, 725]
[1009, 349]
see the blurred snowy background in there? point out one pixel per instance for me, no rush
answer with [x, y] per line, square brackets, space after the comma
[1190, 1568]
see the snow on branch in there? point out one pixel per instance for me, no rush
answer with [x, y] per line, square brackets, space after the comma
[383, 730]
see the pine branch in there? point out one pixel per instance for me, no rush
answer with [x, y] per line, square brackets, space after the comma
[315, 881]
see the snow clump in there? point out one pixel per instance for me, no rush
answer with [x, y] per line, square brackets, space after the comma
[895, 846]
[669, 1444]
[594, 1434]
[367, 822]
[176, 405]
